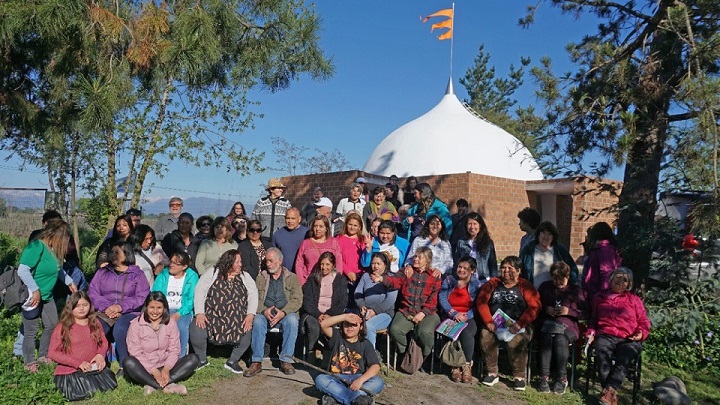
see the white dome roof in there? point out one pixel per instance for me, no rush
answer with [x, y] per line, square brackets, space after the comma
[450, 139]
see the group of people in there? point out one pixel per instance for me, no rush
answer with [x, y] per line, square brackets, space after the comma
[162, 294]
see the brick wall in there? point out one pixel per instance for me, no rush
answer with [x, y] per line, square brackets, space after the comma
[497, 199]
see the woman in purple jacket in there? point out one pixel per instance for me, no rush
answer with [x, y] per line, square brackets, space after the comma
[154, 343]
[118, 291]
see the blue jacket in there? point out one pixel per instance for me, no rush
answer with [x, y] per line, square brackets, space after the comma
[560, 254]
[438, 208]
[400, 243]
[448, 285]
[188, 291]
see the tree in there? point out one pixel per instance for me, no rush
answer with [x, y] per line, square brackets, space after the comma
[292, 159]
[640, 77]
[147, 82]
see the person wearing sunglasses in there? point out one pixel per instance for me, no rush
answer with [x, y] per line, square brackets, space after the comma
[254, 248]
[618, 324]
[239, 224]
[203, 226]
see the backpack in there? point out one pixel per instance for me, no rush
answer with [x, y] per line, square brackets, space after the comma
[13, 292]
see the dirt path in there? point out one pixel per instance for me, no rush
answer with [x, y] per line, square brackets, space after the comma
[274, 387]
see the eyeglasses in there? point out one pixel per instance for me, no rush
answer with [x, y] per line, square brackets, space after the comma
[176, 205]
[204, 224]
[175, 263]
[255, 230]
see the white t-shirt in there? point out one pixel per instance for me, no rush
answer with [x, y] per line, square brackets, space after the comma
[174, 292]
[543, 261]
[346, 206]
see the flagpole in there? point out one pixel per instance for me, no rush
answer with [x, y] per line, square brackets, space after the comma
[452, 40]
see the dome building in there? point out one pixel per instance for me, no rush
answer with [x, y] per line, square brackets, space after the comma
[451, 139]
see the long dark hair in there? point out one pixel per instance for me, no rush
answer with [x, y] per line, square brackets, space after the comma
[128, 220]
[427, 197]
[317, 273]
[482, 239]
[425, 232]
[127, 249]
[601, 231]
[225, 263]
[159, 297]
[137, 236]
[387, 224]
[67, 320]
[383, 257]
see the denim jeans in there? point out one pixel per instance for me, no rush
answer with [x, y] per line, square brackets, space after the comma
[49, 318]
[119, 334]
[289, 327]
[183, 324]
[374, 324]
[341, 392]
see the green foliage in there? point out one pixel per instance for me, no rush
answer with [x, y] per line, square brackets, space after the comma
[17, 386]
[10, 249]
[97, 212]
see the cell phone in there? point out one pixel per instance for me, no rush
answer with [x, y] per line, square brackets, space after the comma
[273, 311]
[93, 367]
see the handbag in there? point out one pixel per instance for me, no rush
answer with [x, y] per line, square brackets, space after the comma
[452, 354]
[13, 292]
[413, 359]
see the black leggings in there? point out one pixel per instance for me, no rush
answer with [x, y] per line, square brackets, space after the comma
[556, 347]
[182, 370]
[467, 339]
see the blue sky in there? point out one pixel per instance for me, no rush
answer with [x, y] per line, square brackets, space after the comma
[390, 69]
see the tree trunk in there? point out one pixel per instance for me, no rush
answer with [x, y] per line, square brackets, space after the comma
[110, 188]
[638, 199]
[73, 196]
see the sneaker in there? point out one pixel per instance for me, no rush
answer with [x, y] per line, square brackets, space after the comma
[175, 389]
[519, 385]
[560, 386]
[328, 400]
[147, 390]
[544, 384]
[202, 364]
[363, 400]
[233, 366]
[490, 380]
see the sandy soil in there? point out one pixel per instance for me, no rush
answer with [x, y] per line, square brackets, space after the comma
[274, 387]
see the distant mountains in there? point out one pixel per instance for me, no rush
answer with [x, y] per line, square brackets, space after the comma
[194, 205]
[35, 200]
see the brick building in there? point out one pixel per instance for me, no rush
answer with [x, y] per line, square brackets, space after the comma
[462, 155]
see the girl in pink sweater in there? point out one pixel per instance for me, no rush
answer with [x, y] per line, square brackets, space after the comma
[78, 346]
[154, 349]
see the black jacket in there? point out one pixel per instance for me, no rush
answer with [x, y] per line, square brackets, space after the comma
[250, 261]
[311, 296]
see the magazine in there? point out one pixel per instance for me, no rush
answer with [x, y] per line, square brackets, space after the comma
[502, 325]
[451, 328]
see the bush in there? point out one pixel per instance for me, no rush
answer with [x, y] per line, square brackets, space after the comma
[10, 249]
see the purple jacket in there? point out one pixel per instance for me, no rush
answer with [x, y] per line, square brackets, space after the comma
[106, 289]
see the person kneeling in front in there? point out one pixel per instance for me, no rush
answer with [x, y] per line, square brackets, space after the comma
[279, 300]
[354, 363]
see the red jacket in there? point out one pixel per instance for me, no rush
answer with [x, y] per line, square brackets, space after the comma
[621, 315]
[529, 293]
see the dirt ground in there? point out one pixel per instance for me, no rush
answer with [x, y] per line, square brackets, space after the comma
[274, 387]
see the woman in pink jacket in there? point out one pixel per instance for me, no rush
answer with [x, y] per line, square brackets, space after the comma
[154, 349]
[617, 325]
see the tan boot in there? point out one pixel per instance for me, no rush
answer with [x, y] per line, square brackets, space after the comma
[467, 373]
[608, 396]
[455, 374]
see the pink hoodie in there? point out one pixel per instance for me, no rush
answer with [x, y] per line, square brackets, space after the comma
[154, 349]
[620, 315]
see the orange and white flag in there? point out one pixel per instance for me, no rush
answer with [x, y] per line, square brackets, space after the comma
[448, 23]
